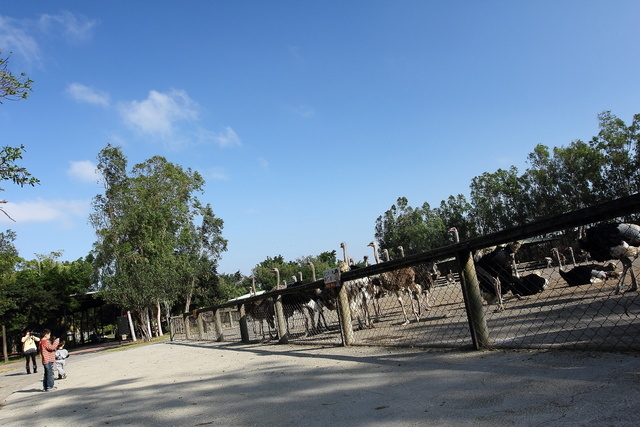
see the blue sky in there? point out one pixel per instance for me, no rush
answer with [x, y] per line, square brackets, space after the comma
[307, 119]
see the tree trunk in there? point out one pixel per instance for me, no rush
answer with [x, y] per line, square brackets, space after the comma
[4, 344]
[187, 304]
[131, 328]
[159, 319]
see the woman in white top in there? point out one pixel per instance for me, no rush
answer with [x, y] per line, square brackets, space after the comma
[30, 350]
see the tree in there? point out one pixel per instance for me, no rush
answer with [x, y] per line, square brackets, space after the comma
[619, 145]
[199, 252]
[457, 212]
[148, 250]
[415, 229]
[12, 88]
[8, 260]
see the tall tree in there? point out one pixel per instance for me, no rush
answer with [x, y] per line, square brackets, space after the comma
[144, 221]
[457, 212]
[415, 229]
[200, 249]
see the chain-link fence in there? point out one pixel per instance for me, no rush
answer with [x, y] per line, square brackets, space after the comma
[546, 291]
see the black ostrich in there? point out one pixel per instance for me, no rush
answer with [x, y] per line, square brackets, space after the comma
[586, 274]
[605, 242]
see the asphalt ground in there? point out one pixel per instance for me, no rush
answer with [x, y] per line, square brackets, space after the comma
[230, 384]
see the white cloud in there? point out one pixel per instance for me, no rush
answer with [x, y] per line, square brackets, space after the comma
[159, 114]
[73, 27]
[264, 164]
[84, 170]
[82, 93]
[15, 38]
[218, 174]
[225, 139]
[64, 212]
[304, 111]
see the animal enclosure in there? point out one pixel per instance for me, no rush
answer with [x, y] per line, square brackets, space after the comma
[449, 308]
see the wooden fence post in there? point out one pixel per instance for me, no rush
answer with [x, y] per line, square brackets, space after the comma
[282, 323]
[244, 328]
[217, 322]
[473, 301]
[344, 314]
[187, 326]
[200, 326]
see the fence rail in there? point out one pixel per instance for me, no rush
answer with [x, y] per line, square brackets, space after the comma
[448, 312]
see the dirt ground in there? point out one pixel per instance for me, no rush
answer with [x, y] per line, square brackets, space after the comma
[206, 383]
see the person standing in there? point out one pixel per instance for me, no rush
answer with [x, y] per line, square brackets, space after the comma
[29, 349]
[61, 360]
[48, 355]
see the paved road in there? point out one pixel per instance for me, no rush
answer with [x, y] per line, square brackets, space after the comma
[193, 384]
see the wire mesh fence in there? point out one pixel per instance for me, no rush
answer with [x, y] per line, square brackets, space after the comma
[551, 294]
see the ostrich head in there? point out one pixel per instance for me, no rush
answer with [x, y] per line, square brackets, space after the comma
[454, 232]
[343, 245]
[376, 256]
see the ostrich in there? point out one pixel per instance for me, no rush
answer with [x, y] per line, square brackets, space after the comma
[398, 282]
[497, 275]
[493, 266]
[454, 234]
[356, 292]
[293, 302]
[428, 275]
[261, 311]
[585, 274]
[614, 241]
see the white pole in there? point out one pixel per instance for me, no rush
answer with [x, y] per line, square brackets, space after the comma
[133, 331]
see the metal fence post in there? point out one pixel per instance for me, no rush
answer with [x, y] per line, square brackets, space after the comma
[473, 300]
[282, 323]
[217, 322]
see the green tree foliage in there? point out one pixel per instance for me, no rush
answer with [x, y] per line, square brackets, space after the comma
[307, 266]
[559, 180]
[415, 229]
[12, 88]
[8, 260]
[149, 251]
[43, 290]
[10, 171]
[457, 212]
[198, 253]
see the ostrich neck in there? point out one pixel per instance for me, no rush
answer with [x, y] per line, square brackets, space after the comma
[375, 253]
[313, 271]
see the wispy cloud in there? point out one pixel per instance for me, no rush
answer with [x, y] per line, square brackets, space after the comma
[160, 113]
[304, 111]
[84, 170]
[64, 212]
[15, 38]
[264, 164]
[24, 36]
[218, 173]
[74, 28]
[82, 93]
[224, 139]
